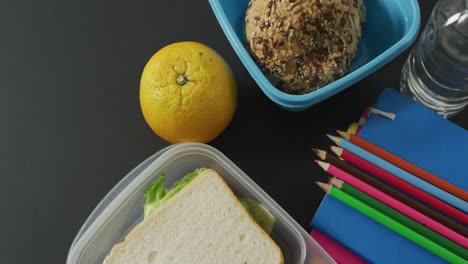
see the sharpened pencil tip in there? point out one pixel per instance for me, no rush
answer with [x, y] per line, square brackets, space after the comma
[337, 140]
[338, 183]
[323, 165]
[338, 151]
[324, 186]
[343, 134]
[320, 153]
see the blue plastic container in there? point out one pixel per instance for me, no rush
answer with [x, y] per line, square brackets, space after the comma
[391, 26]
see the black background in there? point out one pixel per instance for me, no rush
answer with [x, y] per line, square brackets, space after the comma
[71, 125]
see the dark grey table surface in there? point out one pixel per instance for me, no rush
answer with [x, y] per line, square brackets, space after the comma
[71, 125]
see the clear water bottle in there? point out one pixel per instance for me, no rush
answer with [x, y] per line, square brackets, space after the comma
[436, 72]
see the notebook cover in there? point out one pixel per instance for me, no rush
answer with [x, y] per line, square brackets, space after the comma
[368, 238]
[419, 136]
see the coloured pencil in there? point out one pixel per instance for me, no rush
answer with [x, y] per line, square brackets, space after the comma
[392, 224]
[325, 156]
[402, 174]
[401, 218]
[401, 184]
[395, 204]
[405, 165]
[338, 252]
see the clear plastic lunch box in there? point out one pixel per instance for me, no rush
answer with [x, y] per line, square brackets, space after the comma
[122, 208]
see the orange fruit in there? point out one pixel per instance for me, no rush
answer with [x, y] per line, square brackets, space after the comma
[187, 93]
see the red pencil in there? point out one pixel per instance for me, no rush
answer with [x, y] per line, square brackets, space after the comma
[397, 194]
[401, 184]
[390, 201]
[405, 165]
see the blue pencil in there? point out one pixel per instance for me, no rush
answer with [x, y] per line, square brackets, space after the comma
[402, 174]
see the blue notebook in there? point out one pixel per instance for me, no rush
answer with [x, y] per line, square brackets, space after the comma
[366, 237]
[419, 136]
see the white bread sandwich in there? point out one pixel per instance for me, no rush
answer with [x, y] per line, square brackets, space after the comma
[199, 221]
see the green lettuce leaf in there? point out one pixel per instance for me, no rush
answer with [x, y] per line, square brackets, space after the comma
[156, 194]
[259, 213]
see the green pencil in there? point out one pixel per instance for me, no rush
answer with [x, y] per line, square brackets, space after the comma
[392, 224]
[401, 218]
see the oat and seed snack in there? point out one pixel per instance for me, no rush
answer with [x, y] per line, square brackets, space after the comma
[302, 45]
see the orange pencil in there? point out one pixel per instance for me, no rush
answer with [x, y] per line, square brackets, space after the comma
[405, 165]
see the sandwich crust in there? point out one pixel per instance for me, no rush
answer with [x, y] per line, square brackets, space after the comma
[203, 223]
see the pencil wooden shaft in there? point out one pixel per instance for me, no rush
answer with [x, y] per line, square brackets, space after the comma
[405, 186]
[453, 205]
[395, 226]
[396, 194]
[409, 167]
[403, 219]
[397, 205]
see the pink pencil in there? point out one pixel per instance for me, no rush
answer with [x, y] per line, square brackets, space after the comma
[395, 204]
[339, 253]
